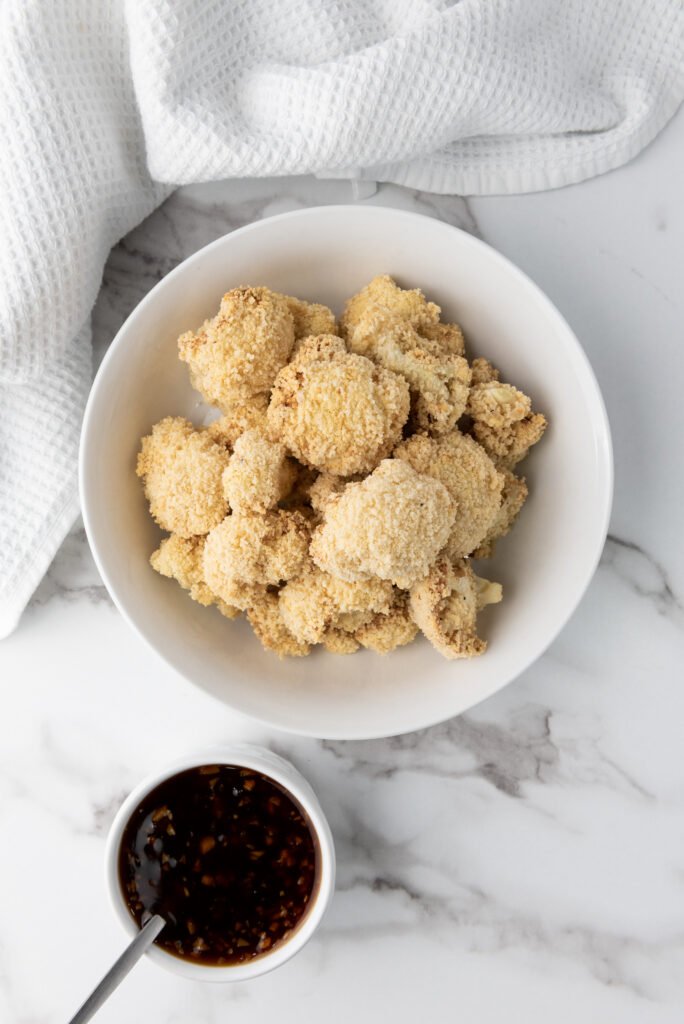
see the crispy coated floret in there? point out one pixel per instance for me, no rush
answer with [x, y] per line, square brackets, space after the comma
[388, 630]
[336, 411]
[258, 475]
[469, 476]
[445, 606]
[449, 336]
[310, 318]
[241, 350]
[337, 641]
[483, 371]
[503, 422]
[391, 525]
[439, 379]
[181, 469]
[316, 602]
[325, 487]
[245, 413]
[380, 303]
[254, 549]
[180, 559]
[267, 622]
[513, 498]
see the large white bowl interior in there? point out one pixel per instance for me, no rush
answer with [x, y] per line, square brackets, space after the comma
[327, 254]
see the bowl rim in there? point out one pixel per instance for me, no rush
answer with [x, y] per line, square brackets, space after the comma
[599, 418]
[241, 755]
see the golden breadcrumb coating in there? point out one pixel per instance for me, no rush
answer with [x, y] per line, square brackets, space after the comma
[245, 413]
[298, 497]
[240, 351]
[391, 525]
[449, 336]
[325, 487]
[445, 606]
[258, 475]
[380, 303]
[483, 371]
[263, 549]
[469, 476]
[267, 622]
[310, 318]
[336, 411]
[337, 641]
[240, 595]
[503, 422]
[181, 469]
[180, 559]
[514, 496]
[316, 602]
[388, 630]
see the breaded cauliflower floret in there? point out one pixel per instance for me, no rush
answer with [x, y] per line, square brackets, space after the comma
[336, 411]
[180, 559]
[388, 630]
[254, 549]
[380, 303]
[310, 318]
[513, 498]
[181, 469]
[316, 602]
[325, 487]
[241, 350]
[245, 413]
[445, 606]
[469, 476]
[483, 371]
[267, 622]
[258, 475]
[503, 422]
[449, 336]
[391, 525]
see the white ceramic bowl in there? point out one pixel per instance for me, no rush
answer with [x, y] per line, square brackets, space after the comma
[326, 254]
[261, 760]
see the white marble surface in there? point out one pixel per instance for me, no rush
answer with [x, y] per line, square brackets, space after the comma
[522, 863]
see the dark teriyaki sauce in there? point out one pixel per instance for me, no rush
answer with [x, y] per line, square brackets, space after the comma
[226, 857]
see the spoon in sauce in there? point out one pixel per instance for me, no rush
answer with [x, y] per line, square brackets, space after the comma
[118, 971]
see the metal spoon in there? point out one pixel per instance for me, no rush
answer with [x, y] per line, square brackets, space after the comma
[118, 971]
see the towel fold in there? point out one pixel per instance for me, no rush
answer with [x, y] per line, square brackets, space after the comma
[107, 106]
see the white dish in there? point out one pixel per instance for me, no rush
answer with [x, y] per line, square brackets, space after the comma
[326, 254]
[281, 771]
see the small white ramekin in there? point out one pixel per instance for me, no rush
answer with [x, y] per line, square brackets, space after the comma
[286, 775]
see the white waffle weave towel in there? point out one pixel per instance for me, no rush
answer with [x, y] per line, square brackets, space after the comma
[106, 105]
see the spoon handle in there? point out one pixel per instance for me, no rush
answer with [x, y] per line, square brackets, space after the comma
[118, 971]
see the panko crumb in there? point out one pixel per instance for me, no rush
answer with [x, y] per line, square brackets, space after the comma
[483, 371]
[181, 469]
[261, 549]
[390, 525]
[336, 411]
[469, 476]
[449, 336]
[503, 422]
[325, 487]
[336, 641]
[445, 606]
[245, 413]
[267, 622]
[240, 351]
[259, 473]
[514, 495]
[310, 318]
[388, 630]
[316, 602]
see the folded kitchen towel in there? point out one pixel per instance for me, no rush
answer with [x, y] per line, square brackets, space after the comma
[104, 107]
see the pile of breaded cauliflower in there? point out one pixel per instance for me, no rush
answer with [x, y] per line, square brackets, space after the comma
[354, 470]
